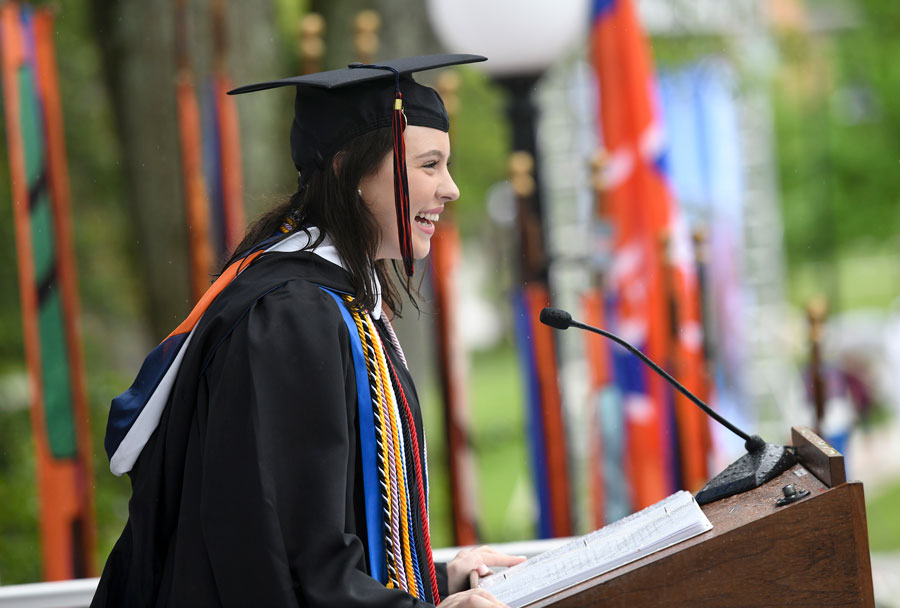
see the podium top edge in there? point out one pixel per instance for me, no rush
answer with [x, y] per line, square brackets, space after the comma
[818, 457]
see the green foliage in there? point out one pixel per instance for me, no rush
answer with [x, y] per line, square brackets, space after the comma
[111, 493]
[19, 550]
[440, 513]
[673, 53]
[497, 429]
[288, 14]
[837, 115]
[498, 426]
[10, 319]
[867, 276]
[480, 138]
[881, 517]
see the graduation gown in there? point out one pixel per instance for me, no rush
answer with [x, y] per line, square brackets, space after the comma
[250, 491]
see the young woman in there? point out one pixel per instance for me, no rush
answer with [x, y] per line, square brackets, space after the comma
[274, 440]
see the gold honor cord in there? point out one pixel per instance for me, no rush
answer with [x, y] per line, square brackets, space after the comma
[392, 470]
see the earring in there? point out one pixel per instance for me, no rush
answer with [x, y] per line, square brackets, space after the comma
[359, 192]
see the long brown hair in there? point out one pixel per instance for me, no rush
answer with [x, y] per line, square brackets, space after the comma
[329, 200]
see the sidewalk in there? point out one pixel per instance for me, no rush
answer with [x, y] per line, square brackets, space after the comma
[874, 458]
[886, 579]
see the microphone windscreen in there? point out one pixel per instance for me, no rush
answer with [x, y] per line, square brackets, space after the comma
[554, 317]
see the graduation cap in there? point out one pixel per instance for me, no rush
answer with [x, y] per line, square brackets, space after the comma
[333, 107]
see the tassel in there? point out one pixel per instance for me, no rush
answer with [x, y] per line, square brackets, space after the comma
[401, 183]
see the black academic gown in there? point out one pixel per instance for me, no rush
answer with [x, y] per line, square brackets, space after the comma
[250, 491]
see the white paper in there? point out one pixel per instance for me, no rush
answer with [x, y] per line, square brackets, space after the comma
[662, 525]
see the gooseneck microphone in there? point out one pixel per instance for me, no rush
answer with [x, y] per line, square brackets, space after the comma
[560, 319]
[763, 461]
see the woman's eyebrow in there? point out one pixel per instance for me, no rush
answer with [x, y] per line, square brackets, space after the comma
[434, 152]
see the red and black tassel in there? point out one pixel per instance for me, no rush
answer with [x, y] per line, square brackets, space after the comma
[401, 184]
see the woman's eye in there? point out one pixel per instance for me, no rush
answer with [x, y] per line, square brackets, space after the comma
[431, 164]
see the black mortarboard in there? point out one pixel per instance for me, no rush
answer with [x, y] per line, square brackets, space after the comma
[331, 108]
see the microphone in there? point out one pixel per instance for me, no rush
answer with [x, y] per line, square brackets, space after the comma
[762, 462]
[556, 318]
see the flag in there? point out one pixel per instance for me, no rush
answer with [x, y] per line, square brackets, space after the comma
[706, 175]
[222, 168]
[222, 149]
[194, 182]
[48, 291]
[652, 287]
[444, 258]
[546, 430]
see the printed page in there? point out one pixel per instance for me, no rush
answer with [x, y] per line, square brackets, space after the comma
[669, 521]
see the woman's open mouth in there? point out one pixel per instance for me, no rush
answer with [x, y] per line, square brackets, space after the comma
[426, 221]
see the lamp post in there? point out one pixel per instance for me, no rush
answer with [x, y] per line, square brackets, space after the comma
[521, 41]
[537, 34]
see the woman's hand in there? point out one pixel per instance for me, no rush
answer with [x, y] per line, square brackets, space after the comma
[473, 598]
[478, 560]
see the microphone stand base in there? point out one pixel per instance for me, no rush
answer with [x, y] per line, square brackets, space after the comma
[747, 472]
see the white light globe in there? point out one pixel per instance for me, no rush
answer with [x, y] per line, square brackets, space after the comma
[517, 36]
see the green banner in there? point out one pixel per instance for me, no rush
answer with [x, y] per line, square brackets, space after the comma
[55, 376]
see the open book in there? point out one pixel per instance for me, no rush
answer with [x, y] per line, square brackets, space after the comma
[662, 525]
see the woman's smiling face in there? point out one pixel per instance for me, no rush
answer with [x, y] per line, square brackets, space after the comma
[430, 188]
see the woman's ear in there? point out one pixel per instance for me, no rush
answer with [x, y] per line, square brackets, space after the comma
[336, 163]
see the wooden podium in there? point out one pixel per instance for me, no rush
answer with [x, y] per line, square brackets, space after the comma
[813, 552]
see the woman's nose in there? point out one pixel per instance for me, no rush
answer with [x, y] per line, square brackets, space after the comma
[448, 190]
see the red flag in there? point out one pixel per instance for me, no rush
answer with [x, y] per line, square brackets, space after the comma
[228, 194]
[643, 212]
[599, 378]
[195, 200]
[232, 186]
[689, 360]
[445, 250]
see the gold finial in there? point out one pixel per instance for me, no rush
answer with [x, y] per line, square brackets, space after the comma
[665, 248]
[817, 313]
[448, 84]
[700, 239]
[311, 45]
[365, 39]
[599, 163]
[521, 168]
[312, 24]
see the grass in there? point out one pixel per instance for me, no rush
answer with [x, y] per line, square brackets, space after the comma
[498, 417]
[19, 541]
[497, 430]
[883, 518]
[865, 278]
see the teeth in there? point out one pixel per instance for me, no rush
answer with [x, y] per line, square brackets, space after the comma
[431, 217]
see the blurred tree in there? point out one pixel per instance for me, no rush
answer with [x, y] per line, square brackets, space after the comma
[139, 65]
[138, 50]
[405, 29]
